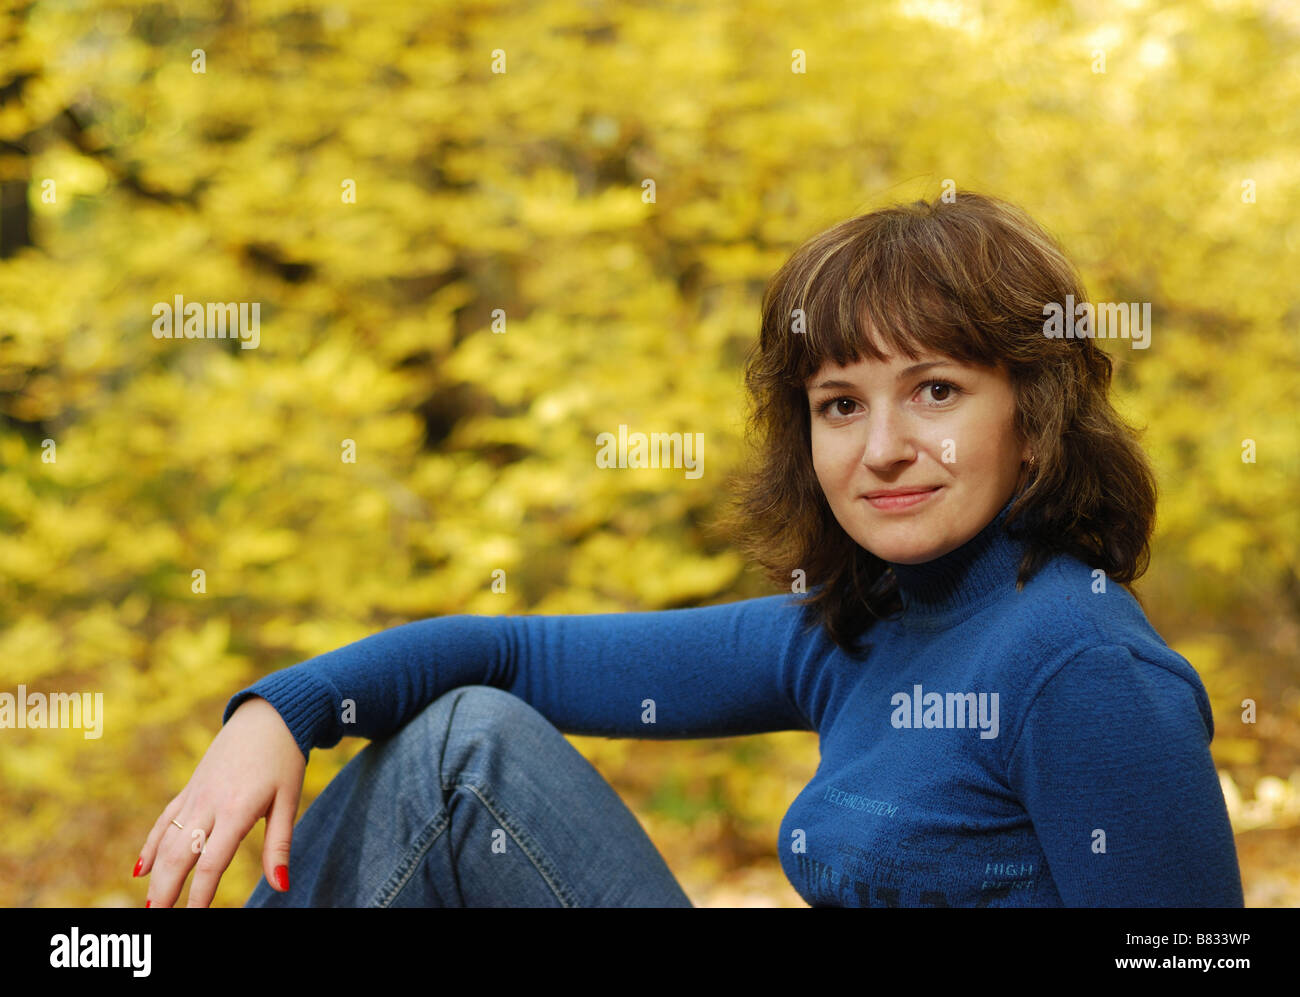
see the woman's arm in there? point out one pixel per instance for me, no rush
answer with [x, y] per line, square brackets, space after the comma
[711, 671]
[1113, 764]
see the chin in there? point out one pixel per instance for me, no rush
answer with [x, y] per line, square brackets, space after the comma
[902, 553]
[912, 545]
[908, 557]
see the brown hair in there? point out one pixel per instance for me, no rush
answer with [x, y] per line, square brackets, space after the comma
[967, 279]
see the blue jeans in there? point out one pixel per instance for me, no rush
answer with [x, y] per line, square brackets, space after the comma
[477, 802]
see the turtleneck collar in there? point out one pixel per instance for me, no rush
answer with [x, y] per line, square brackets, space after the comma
[956, 584]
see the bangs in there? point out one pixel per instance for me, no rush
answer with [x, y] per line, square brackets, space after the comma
[883, 293]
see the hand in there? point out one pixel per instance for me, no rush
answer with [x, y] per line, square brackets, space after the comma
[253, 769]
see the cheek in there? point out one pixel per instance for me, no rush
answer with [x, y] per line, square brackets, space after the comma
[829, 466]
[973, 448]
[986, 456]
[833, 458]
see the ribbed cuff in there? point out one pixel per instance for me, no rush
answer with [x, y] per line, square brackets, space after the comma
[306, 703]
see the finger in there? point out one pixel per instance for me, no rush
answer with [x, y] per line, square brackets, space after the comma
[279, 834]
[214, 859]
[177, 853]
[159, 828]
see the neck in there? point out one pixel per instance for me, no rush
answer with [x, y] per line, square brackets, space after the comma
[964, 578]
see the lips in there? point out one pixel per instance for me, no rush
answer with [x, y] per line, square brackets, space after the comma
[901, 500]
[896, 492]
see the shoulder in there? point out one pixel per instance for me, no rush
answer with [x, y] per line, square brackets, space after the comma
[1075, 606]
[1071, 618]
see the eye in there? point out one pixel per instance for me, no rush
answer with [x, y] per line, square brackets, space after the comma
[824, 406]
[949, 391]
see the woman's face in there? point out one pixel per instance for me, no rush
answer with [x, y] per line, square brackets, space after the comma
[946, 430]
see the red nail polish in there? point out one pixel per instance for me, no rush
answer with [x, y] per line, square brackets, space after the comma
[282, 876]
[146, 903]
[138, 863]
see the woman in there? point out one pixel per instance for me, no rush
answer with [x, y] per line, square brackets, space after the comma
[1000, 725]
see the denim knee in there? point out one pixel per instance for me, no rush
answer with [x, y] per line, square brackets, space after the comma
[484, 708]
[488, 699]
[487, 731]
[480, 701]
[468, 715]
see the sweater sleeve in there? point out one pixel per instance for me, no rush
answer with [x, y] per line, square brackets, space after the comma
[1113, 764]
[711, 671]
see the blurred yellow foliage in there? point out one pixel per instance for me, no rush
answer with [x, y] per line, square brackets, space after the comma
[470, 274]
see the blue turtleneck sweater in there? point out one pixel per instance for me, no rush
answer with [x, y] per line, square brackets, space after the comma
[990, 747]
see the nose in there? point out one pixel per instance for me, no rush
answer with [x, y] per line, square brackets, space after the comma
[888, 440]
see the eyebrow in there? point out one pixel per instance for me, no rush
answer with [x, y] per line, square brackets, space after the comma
[902, 374]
